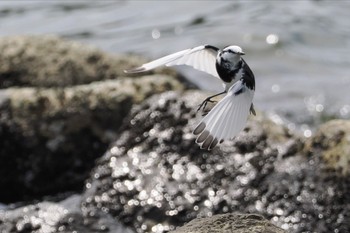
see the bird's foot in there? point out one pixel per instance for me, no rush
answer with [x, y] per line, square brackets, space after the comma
[204, 113]
[203, 105]
[252, 110]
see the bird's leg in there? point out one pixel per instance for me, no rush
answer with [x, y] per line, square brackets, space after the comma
[205, 102]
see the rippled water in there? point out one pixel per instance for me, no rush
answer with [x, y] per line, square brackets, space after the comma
[299, 51]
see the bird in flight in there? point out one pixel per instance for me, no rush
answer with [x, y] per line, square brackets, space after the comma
[229, 116]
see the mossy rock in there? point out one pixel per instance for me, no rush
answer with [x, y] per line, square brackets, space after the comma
[230, 223]
[50, 61]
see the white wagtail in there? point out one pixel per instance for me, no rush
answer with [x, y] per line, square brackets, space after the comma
[229, 116]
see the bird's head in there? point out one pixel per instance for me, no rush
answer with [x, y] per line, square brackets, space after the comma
[234, 49]
[232, 53]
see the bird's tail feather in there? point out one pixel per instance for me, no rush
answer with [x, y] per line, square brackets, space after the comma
[224, 121]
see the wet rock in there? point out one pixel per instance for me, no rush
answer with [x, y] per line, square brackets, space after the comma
[332, 142]
[50, 138]
[230, 223]
[49, 217]
[154, 177]
[49, 61]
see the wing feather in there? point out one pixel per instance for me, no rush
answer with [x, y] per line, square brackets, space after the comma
[202, 58]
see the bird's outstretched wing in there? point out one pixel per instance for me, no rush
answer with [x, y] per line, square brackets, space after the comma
[227, 118]
[202, 58]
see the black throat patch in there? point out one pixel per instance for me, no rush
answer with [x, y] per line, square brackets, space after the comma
[226, 71]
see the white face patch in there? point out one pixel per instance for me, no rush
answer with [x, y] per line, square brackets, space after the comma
[231, 57]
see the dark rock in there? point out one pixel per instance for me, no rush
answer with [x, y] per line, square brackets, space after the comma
[230, 223]
[155, 177]
[332, 143]
[64, 216]
[50, 138]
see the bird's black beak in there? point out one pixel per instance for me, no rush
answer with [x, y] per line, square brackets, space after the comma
[242, 53]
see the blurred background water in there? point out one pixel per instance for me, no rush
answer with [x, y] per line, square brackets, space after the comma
[299, 51]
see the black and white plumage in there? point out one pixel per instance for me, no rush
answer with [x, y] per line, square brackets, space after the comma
[228, 117]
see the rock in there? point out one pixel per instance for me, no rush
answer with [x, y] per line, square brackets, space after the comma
[230, 223]
[49, 217]
[49, 61]
[50, 138]
[332, 142]
[154, 177]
